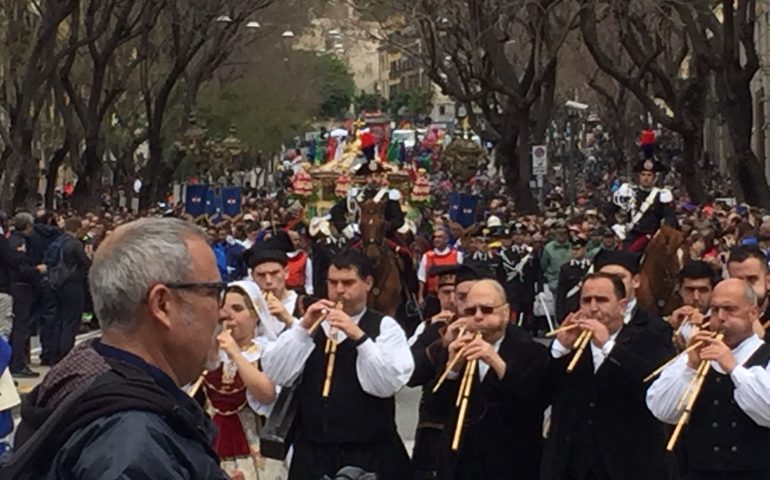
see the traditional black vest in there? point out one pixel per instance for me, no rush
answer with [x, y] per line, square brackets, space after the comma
[349, 414]
[720, 436]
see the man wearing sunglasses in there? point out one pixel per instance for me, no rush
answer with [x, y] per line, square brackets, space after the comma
[502, 433]
[157, 293]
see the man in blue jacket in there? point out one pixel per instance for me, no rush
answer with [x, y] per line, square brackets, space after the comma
[114, 407]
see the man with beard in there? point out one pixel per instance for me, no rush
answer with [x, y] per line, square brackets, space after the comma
[157, 293]
[728, 432]
[747, 262]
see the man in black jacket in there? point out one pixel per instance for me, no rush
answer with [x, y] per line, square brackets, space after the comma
[157, 294]
[9, 266]
[625, 265]
[501, 436]
[44, 232]
[70, 292]
[24, 288]
[600, 426]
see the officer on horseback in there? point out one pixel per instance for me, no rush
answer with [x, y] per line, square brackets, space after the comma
[644, 206]
[345, 211]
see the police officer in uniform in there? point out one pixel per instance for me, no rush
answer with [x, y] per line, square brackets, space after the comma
[484, 256]
[644, 205]
[518, 272]
[374, 173]
[570, 277]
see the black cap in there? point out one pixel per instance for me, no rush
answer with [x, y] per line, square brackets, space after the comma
[446, 274]
[518, 229]
[627, 260]
[273, 249]
[464, 272]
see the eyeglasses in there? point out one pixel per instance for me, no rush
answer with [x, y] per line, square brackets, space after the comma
[485, 309]
[214, 288]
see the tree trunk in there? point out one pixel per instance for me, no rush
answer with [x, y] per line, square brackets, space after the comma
[691, 156]
[52, 174]
[512, 154]
[737, 108]
[151, 175]
[89, 185]
[21, 173]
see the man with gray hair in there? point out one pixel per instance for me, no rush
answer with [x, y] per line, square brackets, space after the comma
[158, 296]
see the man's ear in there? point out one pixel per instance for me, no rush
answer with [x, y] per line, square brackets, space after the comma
[636, 281]
[160, 305]
[369, 281]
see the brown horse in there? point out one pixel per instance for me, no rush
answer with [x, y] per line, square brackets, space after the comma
[660, 267]
[385, 295]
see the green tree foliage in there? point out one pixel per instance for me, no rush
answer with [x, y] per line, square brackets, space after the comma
[414, 102]
[336, 86]
[369, 102]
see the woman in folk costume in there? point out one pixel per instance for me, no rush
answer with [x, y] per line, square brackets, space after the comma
[238, 394]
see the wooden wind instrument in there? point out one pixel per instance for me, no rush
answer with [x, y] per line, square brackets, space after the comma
[330, 350]
[557, 331]
[658, 370]
[465, 391]
[325, 313]
[451, 364]
[580, 344]
[691, 395]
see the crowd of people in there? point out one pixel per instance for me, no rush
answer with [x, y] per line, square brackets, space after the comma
[208, 326]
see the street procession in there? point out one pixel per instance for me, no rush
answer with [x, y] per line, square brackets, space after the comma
[384, 239]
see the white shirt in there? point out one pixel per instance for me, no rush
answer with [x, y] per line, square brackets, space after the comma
[308, 272]
[752, 386]
[422, 273]
[383, 365]
[253, 357]
[271, 327]
[630, 309]
[599, 355]
[483, 366]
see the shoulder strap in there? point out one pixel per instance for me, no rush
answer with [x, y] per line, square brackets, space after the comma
[371, 322]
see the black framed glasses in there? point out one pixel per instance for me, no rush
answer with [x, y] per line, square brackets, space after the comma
[485, 309]
[212, 288]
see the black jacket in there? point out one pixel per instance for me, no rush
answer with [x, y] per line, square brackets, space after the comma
[74, 256]
[652, 323]
[167, 438]
[26, 272]
[569, 276]
[10, 260]
[502, 436]
[40, 239]
[600, 420]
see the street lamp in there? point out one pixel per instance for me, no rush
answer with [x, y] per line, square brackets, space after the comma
[287, 34]
[253, 24]
[574, 114]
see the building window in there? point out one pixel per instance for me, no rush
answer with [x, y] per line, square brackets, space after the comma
[442, 110]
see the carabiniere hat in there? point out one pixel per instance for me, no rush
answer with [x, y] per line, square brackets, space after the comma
[627, 260]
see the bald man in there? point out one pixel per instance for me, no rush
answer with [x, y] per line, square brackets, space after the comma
[502, 434]
[728, 434]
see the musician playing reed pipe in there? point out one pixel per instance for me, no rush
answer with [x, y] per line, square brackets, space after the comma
[696, 283]
[728, 434]
[355, 424]
[600, 426]
[502, 432]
